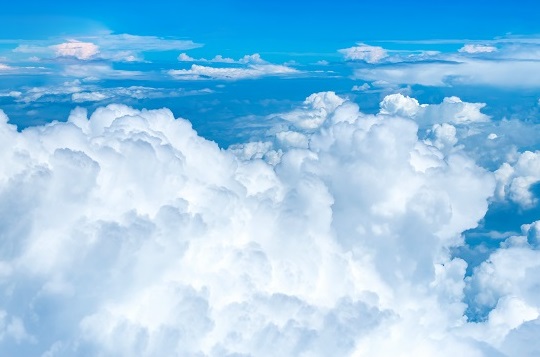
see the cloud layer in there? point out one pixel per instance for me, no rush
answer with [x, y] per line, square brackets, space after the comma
[126, 233]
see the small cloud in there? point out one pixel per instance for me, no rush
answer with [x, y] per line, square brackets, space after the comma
[12, 94]
[197, 72]
[183, 57]
[477, 49]
[366, 53]
[253, 59]
[88, 97]
[322, 63]
[364, 87]
[77, 49]
[221, 59]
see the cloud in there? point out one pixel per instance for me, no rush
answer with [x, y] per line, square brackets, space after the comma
[79, 92]
[77, 49]
[106, 46]
[515, 180]
[183, 57]
[361, 88]
[96, 72]
[475, 48]
[498, 73]
[88, 97]
[197, 72]
[130, 234]
[451, 110]
[247, 59]
[366, 53]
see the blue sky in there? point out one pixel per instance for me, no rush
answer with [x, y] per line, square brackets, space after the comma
[234, 178]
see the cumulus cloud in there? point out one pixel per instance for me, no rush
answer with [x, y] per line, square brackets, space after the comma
[451, 110]
[105, 46]
[126, 233]
[198, 72]
[366, 53]
[77, 49]
[513, 73]
[361, 88]
[515, 180]
[472, 48]
[247, 59]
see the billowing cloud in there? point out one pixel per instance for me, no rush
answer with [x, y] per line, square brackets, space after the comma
[129, 234]
[515, 180]
[77, 49]
[451, 110]
[366, 53]
[198, 72]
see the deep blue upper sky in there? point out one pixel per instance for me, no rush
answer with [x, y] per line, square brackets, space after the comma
[277, 26]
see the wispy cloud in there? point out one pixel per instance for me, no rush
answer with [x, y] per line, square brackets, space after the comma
[113, 47]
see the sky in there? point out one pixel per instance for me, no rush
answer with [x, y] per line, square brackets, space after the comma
[230, 178]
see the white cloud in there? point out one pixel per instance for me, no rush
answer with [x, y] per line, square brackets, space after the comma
[95, 72]
[247, 59]
[451, 110]
[83, 92]
[197, 72]
[183, 57]
[499, 73]
[129, 234]
[77, 49]
[474, 48]
[88, 97]
[514, 180]
[364, 87]
[366, 53]
[13, 94]
[106, 46]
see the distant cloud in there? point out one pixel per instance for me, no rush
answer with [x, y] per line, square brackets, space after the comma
[247, 59]
[77, 49]
[197, 72]
[451, 110]
[366, 53]
[80, 92]
[477, 49]
[111, 47]
[361, 88]
[498, 73]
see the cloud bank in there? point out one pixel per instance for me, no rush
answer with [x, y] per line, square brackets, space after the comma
[126, 233]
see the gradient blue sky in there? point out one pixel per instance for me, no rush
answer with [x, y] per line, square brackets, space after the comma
[389, 147]
[240, 26]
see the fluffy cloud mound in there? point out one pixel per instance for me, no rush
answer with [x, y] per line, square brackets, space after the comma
[366, 53]
[516, 180]
[451, 110]
[77, 49]
[126, 233]
[471, 48]
[197, 72]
